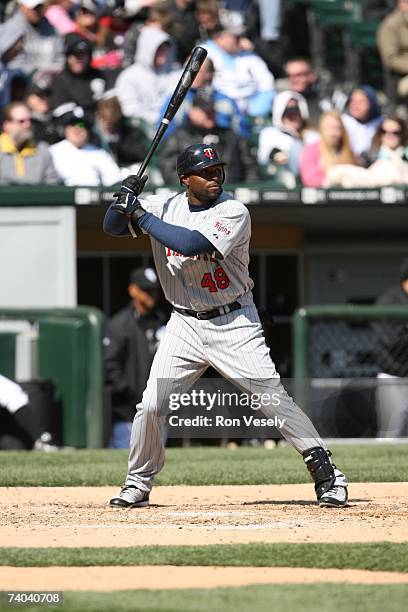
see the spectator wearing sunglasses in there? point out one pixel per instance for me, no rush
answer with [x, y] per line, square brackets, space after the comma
[388, 159]
[22, 160]
[391, 140]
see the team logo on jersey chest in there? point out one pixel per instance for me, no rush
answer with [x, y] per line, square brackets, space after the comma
[222, 226]
[209, 152]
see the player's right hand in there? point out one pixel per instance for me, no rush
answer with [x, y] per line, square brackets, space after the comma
[126, 199]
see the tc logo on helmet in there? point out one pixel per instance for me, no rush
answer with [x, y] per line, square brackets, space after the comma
[210, 153]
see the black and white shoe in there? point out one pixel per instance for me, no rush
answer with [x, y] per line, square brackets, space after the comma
[330, 483]
[337, 495]
[130, 497]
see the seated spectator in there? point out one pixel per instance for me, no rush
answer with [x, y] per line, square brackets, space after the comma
[126, 144]
[113, 26]
[240, 75]
[58, 13]
[78, 82]
[159, 17]
[43, 47]
[77, 161]
[283, 142]
[320, 95]
[200, 127]
[155, 71]
[176, 18]
[391, 140]
[389, 157]
[333, 148]
[227, 112]
[11, 44]
[22, 161]
[207, 17]
[361, 119]
[87, 20]
[38, 101]
[392, 40]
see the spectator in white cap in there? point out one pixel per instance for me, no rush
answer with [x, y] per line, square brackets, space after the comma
[77, 160]
[42, 44]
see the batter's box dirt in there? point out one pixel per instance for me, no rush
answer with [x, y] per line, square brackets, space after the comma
[80, 516]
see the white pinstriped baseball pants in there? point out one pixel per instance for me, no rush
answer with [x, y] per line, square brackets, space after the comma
[235, 346]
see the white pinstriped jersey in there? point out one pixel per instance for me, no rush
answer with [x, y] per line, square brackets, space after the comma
[203, 282]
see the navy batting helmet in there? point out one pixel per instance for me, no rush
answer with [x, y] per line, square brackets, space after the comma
[197, 157]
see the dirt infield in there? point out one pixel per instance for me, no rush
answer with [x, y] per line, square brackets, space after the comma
[168, 577]
[75, 517]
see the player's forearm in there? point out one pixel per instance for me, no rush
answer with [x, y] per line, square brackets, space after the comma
[115, 223]
[180, 239]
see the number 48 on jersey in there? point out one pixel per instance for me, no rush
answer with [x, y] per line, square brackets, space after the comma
[218, 280]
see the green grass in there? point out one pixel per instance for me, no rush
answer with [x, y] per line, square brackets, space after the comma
[380, 556]
[200, 466]
[260, 598]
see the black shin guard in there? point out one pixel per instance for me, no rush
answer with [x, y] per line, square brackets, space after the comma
[321, 469]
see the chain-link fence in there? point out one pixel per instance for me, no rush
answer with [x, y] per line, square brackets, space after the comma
[351, 369]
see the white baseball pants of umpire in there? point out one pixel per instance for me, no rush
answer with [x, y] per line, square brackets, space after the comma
[234, 345]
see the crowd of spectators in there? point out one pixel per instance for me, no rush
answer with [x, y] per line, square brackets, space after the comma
[84, 83]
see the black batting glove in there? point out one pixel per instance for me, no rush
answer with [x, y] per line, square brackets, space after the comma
[126, 199]
[134, 184]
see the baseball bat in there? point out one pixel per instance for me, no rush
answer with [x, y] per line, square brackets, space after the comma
[194, 64]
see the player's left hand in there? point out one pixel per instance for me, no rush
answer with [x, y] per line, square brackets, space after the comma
[134, 184]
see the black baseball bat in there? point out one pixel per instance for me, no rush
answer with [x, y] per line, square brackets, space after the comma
[189, 73]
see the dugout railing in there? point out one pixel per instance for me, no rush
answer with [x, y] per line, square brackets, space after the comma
[65, 348]
[338, 353]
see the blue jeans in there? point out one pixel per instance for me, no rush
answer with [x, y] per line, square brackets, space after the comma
[121, 431]
[270, 17]
[120, 437]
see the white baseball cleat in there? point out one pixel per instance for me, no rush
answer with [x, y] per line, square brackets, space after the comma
[130, 497]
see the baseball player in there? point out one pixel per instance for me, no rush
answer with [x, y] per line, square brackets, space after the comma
[200, 241]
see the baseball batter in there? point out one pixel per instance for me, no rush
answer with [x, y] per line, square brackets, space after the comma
[200, 242]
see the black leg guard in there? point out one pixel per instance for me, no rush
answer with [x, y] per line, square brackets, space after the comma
[321, 469]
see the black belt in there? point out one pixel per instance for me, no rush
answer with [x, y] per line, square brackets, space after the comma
[209, 314]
